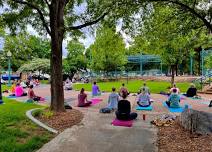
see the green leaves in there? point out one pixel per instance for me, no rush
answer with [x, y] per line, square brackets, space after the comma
[25, 47]
[36, 65]
[108, 51]
[75, 59]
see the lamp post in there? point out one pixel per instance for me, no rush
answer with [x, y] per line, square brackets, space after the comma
[9, 54]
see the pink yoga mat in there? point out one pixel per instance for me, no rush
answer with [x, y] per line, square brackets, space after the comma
[127, 123]
[95, 101]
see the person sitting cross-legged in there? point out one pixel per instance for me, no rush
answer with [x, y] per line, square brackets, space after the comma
[174, 99]
[68, 85]
[124, 110]
[123, 90]
[95, 90]
[145, 88]
[31, 94]
[112, 102]
[19, 91]
[13, 88]
[192, 91]
[143, 99]
[174, 87]
[82, 99]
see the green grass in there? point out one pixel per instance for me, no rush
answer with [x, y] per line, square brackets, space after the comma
[44, 81]
[134, 86]
[5, 87]
[17, 132]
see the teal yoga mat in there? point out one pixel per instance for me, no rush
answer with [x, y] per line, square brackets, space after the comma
[149, 108]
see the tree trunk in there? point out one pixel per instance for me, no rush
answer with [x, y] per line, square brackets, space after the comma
[176, 69]
[57, 35]
[173, 73]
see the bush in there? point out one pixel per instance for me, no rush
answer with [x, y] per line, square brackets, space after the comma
[48, 114]
[37, 113]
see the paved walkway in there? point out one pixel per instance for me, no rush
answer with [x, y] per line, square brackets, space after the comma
[96, 134]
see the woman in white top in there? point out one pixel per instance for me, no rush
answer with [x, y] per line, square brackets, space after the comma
[175, 87]
[143, 99]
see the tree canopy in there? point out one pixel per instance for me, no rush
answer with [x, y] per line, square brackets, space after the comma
[172, 40]
[24, 47]
[108, 51]
[37, 64]
[75, 59]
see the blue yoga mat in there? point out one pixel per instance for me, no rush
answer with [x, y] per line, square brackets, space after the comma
[149, 108]
[177, 110]
[11, 97]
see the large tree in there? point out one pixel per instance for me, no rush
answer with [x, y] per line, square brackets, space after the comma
[57, 18]
[170, 38]
[108, 51]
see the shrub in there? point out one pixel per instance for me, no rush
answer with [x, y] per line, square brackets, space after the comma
[37, 113]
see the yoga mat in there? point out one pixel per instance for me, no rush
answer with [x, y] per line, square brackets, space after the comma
[11, 97]
[123, 123]
[195, 98]
[182, 97]
[95, 101]
[149, 108]
[177, 110]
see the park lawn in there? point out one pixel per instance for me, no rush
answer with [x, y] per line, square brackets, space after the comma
[44, 81]
[134, 86]
[5, 87]
[17, 132]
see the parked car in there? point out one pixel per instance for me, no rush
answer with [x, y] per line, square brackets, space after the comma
[5, 77]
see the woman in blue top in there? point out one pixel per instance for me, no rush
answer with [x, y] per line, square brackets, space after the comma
[174, 99]
[112, 102]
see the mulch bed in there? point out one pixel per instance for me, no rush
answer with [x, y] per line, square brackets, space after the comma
[62, 120]
[175, 138]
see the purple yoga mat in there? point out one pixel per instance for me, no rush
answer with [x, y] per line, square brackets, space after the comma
[95, 101]
[123, 123]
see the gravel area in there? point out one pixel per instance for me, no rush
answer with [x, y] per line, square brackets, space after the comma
[62, 120]
[175, 138]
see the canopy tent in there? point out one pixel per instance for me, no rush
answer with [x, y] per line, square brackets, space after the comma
[141, 60]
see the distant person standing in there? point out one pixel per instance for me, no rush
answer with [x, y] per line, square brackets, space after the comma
[95, 90]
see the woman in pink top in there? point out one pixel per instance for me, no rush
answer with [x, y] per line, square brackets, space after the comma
[82, 99]
[19, 91]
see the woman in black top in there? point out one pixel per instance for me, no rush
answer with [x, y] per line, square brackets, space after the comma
[124, 110]
[192, 91]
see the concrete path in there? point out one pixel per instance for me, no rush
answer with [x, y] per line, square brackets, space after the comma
[96, 134]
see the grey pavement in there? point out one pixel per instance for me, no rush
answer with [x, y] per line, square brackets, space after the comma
[96, 134]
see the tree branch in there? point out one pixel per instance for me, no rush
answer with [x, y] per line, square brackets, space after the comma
[207, 24]
[189, 9]
[87, 23]
[46, 1]
[39, 12]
